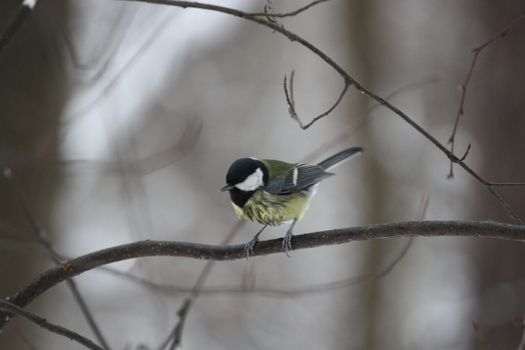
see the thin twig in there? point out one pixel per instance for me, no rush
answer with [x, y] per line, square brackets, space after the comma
[287, 14]
[505, 184]
[175, 336]
[464, 87]
[348, 80]
[481, 338]
[9, 32]
[75, 267]
[359, 121]
[466, 153]
[41, 237]
[503, 202]
[42, 322]
[182, 313]
[291, 102]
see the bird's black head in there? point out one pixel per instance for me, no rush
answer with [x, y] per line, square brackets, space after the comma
[246, 174]
[244, 177]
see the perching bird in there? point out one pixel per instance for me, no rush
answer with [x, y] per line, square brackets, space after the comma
[273, 192]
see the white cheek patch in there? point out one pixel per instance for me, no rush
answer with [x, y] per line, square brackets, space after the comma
[252, 182]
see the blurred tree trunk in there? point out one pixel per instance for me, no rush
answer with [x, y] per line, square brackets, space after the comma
[32, 92]
[360, 33]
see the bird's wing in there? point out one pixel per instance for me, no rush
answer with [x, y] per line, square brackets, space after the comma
[298, 178]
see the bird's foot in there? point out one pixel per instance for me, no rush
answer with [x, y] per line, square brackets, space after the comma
[287, 243]
[249, 246]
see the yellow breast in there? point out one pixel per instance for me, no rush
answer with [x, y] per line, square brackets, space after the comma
[269, 209]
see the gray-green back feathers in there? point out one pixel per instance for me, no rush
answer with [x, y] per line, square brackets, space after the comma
[286, 178]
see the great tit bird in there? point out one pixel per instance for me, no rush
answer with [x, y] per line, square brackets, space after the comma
[273, 192]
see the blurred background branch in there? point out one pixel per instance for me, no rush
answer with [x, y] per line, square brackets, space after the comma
[42, 322]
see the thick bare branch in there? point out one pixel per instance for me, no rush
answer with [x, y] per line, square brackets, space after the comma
[265, 291]
[75, 267]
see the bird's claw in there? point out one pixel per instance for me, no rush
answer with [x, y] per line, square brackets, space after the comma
[287, 243]
[249, 247]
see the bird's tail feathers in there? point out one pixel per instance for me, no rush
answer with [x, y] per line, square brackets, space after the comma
[336, 159]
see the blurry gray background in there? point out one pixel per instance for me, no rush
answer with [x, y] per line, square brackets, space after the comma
[120, 120]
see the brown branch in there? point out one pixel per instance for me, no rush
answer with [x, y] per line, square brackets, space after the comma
[148, 248]
[264, 291]
[42, 322]
[304, 290]
[252, 289]
[464, 87]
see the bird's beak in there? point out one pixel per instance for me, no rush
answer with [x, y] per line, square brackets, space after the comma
[227, 188]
